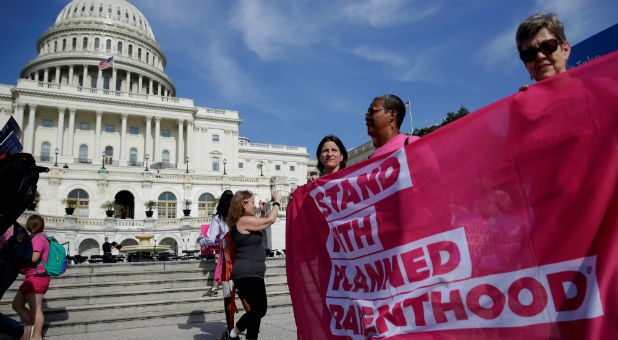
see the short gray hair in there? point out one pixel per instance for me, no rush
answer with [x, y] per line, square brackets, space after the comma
[531, 26]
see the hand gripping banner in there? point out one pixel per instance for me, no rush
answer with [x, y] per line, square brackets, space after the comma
[501, 225]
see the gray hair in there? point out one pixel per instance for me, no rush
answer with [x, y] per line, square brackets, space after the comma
[531, 26]
[392, 102]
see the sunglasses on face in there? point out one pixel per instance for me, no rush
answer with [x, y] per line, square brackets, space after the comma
[547, 47]
[371, 111]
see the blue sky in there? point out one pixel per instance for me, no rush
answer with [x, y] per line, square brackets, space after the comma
[299, 70]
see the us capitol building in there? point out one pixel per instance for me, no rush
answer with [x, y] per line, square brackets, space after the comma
[120, 135]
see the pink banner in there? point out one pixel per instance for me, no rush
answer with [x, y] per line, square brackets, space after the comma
[502, 224]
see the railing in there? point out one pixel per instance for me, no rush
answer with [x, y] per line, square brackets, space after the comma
[100, 223]
[273, 147]
[83, 160]
[28, 83]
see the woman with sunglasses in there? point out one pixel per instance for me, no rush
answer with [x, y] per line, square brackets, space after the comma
[250, 264]
[543, 46]
[383, 120]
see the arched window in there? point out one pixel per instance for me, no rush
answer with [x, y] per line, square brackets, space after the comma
[133, 157]
[139, 53]
[96, 43]
[45, 152]
[205, 205]
[109, 154]
[82, 202]
[120, 47]
[108, 45]
[83, 153]
[166, 205]
[85, 44]
[130, 50]
[64, 44]
[165, 156]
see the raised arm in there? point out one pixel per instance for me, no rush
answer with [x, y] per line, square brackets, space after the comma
[252, 223]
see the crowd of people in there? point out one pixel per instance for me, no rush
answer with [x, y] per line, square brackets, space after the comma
[236, 229]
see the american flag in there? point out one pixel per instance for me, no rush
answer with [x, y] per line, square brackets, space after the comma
[105, 64]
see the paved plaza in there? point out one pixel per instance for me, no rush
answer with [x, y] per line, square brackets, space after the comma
[274, 327]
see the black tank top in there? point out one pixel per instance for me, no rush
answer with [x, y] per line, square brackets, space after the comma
[250, 255]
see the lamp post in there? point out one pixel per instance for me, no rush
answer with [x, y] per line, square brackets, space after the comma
[57, 151]
[260, 165]
[103, 160]
[146, 158]
[187, 161]
[224, 162]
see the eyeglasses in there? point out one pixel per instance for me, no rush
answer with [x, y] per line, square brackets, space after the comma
[547, 47]
[371, 111]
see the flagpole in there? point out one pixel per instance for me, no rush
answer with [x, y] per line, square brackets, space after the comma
[410, 107]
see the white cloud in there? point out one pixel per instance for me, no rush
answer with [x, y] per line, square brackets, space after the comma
[175, 14]
[419, 66]
[268, 29]
[500, 50]
[581, 18]
[384, 13]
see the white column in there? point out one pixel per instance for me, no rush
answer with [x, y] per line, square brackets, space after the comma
[97, 140]
[159, 90]
[139, 84]
[128, 82]
[70, 145]
[190, 143]
[60, 132]
[147, 149]
[112, 86]
[71, 75]
[30, 127]
[165, 91]
[46, 76]
[85, 77]
[180, 155]
[157, 152]
[36, 75]
[100, 79]
[57, 79]
[19, 116]
[123, 140]
[150, 87]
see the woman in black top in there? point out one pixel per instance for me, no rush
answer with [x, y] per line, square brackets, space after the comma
[250, 264]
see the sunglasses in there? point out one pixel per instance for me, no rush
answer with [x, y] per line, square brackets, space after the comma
[371, 111]
[547, 47]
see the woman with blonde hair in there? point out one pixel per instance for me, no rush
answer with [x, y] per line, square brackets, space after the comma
[250, 264]
[36, 283]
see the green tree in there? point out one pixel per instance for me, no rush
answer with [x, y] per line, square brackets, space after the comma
[450, 117]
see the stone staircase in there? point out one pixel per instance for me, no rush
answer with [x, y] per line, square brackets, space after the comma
[97, 297]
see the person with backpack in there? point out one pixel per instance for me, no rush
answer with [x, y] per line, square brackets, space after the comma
[37, 280]
[215, 236]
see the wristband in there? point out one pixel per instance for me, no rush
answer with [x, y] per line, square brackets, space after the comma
[277, 203]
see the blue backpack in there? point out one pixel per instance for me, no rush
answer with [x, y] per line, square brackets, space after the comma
[56, 260]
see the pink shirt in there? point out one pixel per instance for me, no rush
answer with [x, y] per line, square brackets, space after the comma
[40, 244]
[394, 144]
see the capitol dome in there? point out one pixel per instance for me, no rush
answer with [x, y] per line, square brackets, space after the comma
[113, 12]
[87, 32]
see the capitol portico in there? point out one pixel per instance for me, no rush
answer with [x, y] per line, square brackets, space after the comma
[119, 133]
